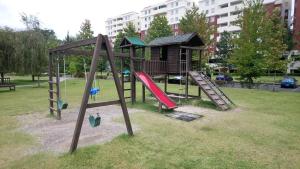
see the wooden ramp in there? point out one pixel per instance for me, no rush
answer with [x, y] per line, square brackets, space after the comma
[211, 90]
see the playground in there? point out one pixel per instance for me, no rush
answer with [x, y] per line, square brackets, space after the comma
[117, 123]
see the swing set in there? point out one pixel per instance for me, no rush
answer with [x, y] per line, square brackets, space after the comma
[102, 48]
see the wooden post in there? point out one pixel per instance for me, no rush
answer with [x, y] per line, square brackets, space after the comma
[166, 83]
[132, 76]
[143, 94]
[187, 73]
[89, 83]
[200, 57]
[58, 89]
[50, 73]
[159, 107]
[86, 94]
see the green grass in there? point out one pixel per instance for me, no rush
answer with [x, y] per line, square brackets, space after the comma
[262, 133]
[264, 79]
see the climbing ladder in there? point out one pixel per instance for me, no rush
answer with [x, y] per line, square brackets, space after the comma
[211, 90]
[54, 89]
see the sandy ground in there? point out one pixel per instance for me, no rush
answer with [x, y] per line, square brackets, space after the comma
[56, 135]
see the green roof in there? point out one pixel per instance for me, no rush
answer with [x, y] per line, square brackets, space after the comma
[135, 41]
[190, 39]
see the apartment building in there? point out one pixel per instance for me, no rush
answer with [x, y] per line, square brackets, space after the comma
[174, 10]
[118, 23]
[296, 24]
[224, 13]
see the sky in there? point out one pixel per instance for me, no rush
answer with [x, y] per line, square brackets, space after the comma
[67, 15]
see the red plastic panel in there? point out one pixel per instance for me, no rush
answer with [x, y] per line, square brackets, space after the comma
[155, 90]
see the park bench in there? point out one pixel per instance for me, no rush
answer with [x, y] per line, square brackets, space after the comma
[5, 82]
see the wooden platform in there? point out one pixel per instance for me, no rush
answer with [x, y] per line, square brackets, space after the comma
[5, 83]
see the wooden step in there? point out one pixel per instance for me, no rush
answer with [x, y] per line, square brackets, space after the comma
[52, 91]
[126, 89]
[52, 100]
[53, 109]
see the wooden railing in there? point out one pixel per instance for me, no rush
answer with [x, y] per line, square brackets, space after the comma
[152, 67]
[155, 67]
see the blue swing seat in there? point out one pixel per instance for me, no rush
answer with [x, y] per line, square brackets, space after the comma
[94, 91]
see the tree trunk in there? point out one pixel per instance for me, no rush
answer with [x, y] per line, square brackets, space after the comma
[2, 77]
[39, 84]
[32, 77]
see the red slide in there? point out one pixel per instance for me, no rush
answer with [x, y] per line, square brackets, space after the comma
[155, 90]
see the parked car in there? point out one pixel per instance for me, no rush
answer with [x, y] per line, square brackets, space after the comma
[288, 82]
[224, 77]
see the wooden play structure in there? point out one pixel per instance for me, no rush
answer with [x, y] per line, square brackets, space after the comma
[5, 83]
[170, 56]
[102, 48]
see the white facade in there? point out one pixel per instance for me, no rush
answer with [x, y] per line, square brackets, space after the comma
[174, 10]
[118, 23]
[226, 12]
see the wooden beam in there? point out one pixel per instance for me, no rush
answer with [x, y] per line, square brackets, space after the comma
[92, 105]
[75, 44]
[86, 53]
[86, 93]
[192, 48]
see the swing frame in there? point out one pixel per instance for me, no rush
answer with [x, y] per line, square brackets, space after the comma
[102, 48]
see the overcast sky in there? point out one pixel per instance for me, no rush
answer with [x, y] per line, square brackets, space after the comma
[67, 15]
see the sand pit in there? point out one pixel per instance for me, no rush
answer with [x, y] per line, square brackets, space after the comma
[56, 135]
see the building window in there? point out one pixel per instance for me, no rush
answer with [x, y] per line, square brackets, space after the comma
[206, 12]
[235, 13]
[176, 3]
[145, 19]
[236, 3]
[172, 12]
[188, 4]
[176, 11]
[223, 24]
[212, 10]
[224, 5]
[145, 25]
[212, 2]
[176, 19]
[223, 15]
[172, 4]
[172, 19]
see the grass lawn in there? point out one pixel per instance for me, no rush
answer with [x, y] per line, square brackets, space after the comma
[264, 79]
[264, 133]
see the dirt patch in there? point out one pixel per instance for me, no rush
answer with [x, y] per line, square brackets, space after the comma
[56, 135]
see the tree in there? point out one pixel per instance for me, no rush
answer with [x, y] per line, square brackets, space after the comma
[224, 47]
[273, 43]
[35, 54]
[85, 30]
[128, 31]
[7, 50]
[159, 27]
[248, 53]
[194, 21]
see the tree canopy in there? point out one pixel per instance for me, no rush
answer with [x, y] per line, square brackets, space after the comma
[194, 21]
[159, 27]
